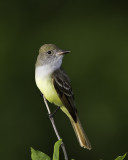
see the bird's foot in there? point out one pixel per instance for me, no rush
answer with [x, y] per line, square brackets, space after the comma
[52, 114]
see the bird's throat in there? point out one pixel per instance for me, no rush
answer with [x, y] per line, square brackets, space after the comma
[44, 81]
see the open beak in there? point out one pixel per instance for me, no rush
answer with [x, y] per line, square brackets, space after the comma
[62, 52]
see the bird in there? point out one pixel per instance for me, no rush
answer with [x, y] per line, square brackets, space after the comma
[54, 84]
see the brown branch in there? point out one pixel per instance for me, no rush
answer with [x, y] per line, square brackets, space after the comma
[55, 129]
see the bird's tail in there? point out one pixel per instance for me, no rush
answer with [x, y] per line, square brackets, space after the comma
[81, 136]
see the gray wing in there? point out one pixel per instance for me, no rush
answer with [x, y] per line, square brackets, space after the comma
[62, 85]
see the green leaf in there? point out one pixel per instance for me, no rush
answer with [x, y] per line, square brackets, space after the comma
[121, 157]
[37, 155]
[56, 150]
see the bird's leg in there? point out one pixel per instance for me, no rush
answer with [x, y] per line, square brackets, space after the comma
[41, 94]
[52, 114]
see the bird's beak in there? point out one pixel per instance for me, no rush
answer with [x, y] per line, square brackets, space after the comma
[62, 52]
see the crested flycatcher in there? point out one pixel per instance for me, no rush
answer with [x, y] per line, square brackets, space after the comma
[54, 84]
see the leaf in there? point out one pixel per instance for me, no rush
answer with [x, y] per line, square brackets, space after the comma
[56, 150]
[121, 157]
[37, 155]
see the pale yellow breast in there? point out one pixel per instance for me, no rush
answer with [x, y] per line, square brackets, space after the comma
[45, 85]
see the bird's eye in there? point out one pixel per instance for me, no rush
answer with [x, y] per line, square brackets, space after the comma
[49, 52]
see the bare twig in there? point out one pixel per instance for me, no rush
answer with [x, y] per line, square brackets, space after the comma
[55, 129]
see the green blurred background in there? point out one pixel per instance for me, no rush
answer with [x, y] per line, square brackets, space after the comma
[96, 32]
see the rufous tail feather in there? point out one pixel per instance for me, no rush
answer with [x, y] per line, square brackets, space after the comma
[80, 134]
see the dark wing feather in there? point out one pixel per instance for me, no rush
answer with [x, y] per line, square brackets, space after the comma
[62, 85]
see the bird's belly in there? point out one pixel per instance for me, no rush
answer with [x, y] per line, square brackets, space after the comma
[46, 87]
